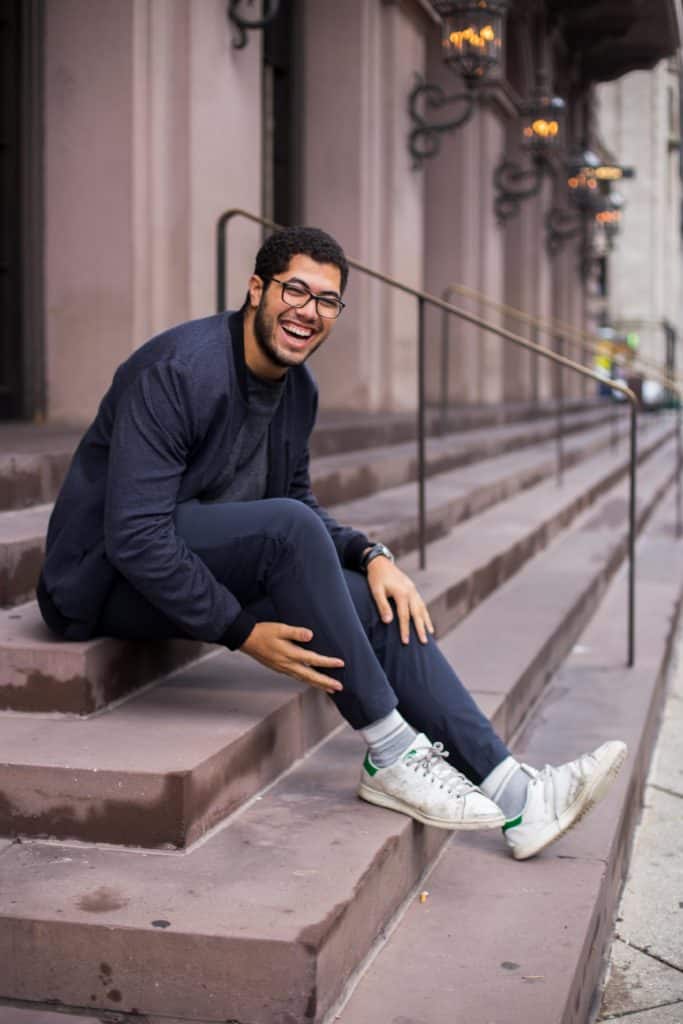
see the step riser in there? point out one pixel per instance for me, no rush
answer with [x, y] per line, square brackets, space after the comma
[31, 479]
[339, 486]
[20, 565]
[333, 439]
[65, 678]
[156, 810]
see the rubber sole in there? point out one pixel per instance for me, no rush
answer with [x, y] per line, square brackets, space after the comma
[372, 796]
[573, 815]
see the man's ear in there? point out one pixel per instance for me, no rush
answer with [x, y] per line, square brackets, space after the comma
[255, 289]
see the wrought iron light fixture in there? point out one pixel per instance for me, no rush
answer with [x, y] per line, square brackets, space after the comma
[243, 24]
[609, 218]
[542, 135]
[589, 181]
[472, 43]
[593, 206]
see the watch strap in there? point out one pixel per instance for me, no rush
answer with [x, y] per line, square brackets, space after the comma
[375, 551]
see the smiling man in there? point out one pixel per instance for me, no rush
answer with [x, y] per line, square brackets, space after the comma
[188, 511]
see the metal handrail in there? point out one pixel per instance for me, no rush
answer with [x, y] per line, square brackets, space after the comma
[552, 326]
[425, 299]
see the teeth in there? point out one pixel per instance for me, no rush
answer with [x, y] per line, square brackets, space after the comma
[298, 332]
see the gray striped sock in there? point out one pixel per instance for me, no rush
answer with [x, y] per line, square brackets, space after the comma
[387, 739]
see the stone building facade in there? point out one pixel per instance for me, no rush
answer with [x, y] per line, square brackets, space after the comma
[133, 124]
[640, 117]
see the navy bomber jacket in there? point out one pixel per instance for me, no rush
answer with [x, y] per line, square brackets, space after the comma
[161, 437]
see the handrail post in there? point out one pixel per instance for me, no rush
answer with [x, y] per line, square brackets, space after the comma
[679, 468]
[421, 454]
[632, 538]
[560, 415]
[445, 367]
[221, 263]
[534, 368]
[614, 442]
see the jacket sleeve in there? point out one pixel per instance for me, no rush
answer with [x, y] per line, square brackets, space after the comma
[349, 543]
[154, 432]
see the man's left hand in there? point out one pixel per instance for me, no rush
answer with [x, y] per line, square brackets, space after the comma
[387, 581]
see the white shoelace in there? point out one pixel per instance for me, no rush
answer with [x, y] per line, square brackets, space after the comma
[432, 761]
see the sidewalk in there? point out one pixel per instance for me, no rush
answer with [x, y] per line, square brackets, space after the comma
[645, 977]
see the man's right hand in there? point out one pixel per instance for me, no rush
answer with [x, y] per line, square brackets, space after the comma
[276, 646]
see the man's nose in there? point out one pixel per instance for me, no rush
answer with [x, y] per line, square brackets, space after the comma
[309, 310]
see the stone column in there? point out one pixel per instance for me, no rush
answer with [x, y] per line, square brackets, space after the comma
[88, 229]
[359, 60]
[152, 129]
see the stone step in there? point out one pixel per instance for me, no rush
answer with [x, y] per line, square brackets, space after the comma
[22, 543]
[455, 495]
[167, 765]
[492, 547]
[36, 457]
[360, 472]
[543, 927]
[274, 911]
[355, 431]
[162, 769]
[40, 674]
[343, 477]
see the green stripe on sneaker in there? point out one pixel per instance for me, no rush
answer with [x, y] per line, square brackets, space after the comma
[369, 766]
[512, 823]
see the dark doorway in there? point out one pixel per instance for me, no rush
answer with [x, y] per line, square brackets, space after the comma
[281, 129]
[21, 285]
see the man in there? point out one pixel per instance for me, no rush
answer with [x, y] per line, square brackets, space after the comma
[188, 511]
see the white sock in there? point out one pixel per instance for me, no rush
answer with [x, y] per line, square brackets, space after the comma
[387, 739]
[506, 785]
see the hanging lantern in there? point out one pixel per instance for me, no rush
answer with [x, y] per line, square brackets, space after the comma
[583, 185]
[542, 120]
[473, 36]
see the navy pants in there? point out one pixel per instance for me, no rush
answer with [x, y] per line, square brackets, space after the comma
[279, 561]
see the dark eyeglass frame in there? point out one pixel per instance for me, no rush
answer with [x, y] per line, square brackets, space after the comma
[316, 298]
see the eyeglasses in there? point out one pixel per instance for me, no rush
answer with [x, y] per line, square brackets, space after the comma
[298, 295]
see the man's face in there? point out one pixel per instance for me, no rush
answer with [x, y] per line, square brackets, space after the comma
[287, 336]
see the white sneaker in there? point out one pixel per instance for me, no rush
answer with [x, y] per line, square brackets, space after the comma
[425, 786]
[559, 797]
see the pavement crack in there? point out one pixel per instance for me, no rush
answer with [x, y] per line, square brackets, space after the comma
[643, 1009]
[665, 789]
[646, 952]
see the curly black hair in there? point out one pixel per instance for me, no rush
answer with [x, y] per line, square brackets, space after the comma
[274, 255]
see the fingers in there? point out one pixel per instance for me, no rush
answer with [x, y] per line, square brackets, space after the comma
[322, 682]
[410, 606]
[403, 613]
[382, 602]
[301, 662]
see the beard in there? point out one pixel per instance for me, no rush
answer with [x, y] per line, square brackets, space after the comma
[265, 327]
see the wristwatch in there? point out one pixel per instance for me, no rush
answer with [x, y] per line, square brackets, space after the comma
[374, 552]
